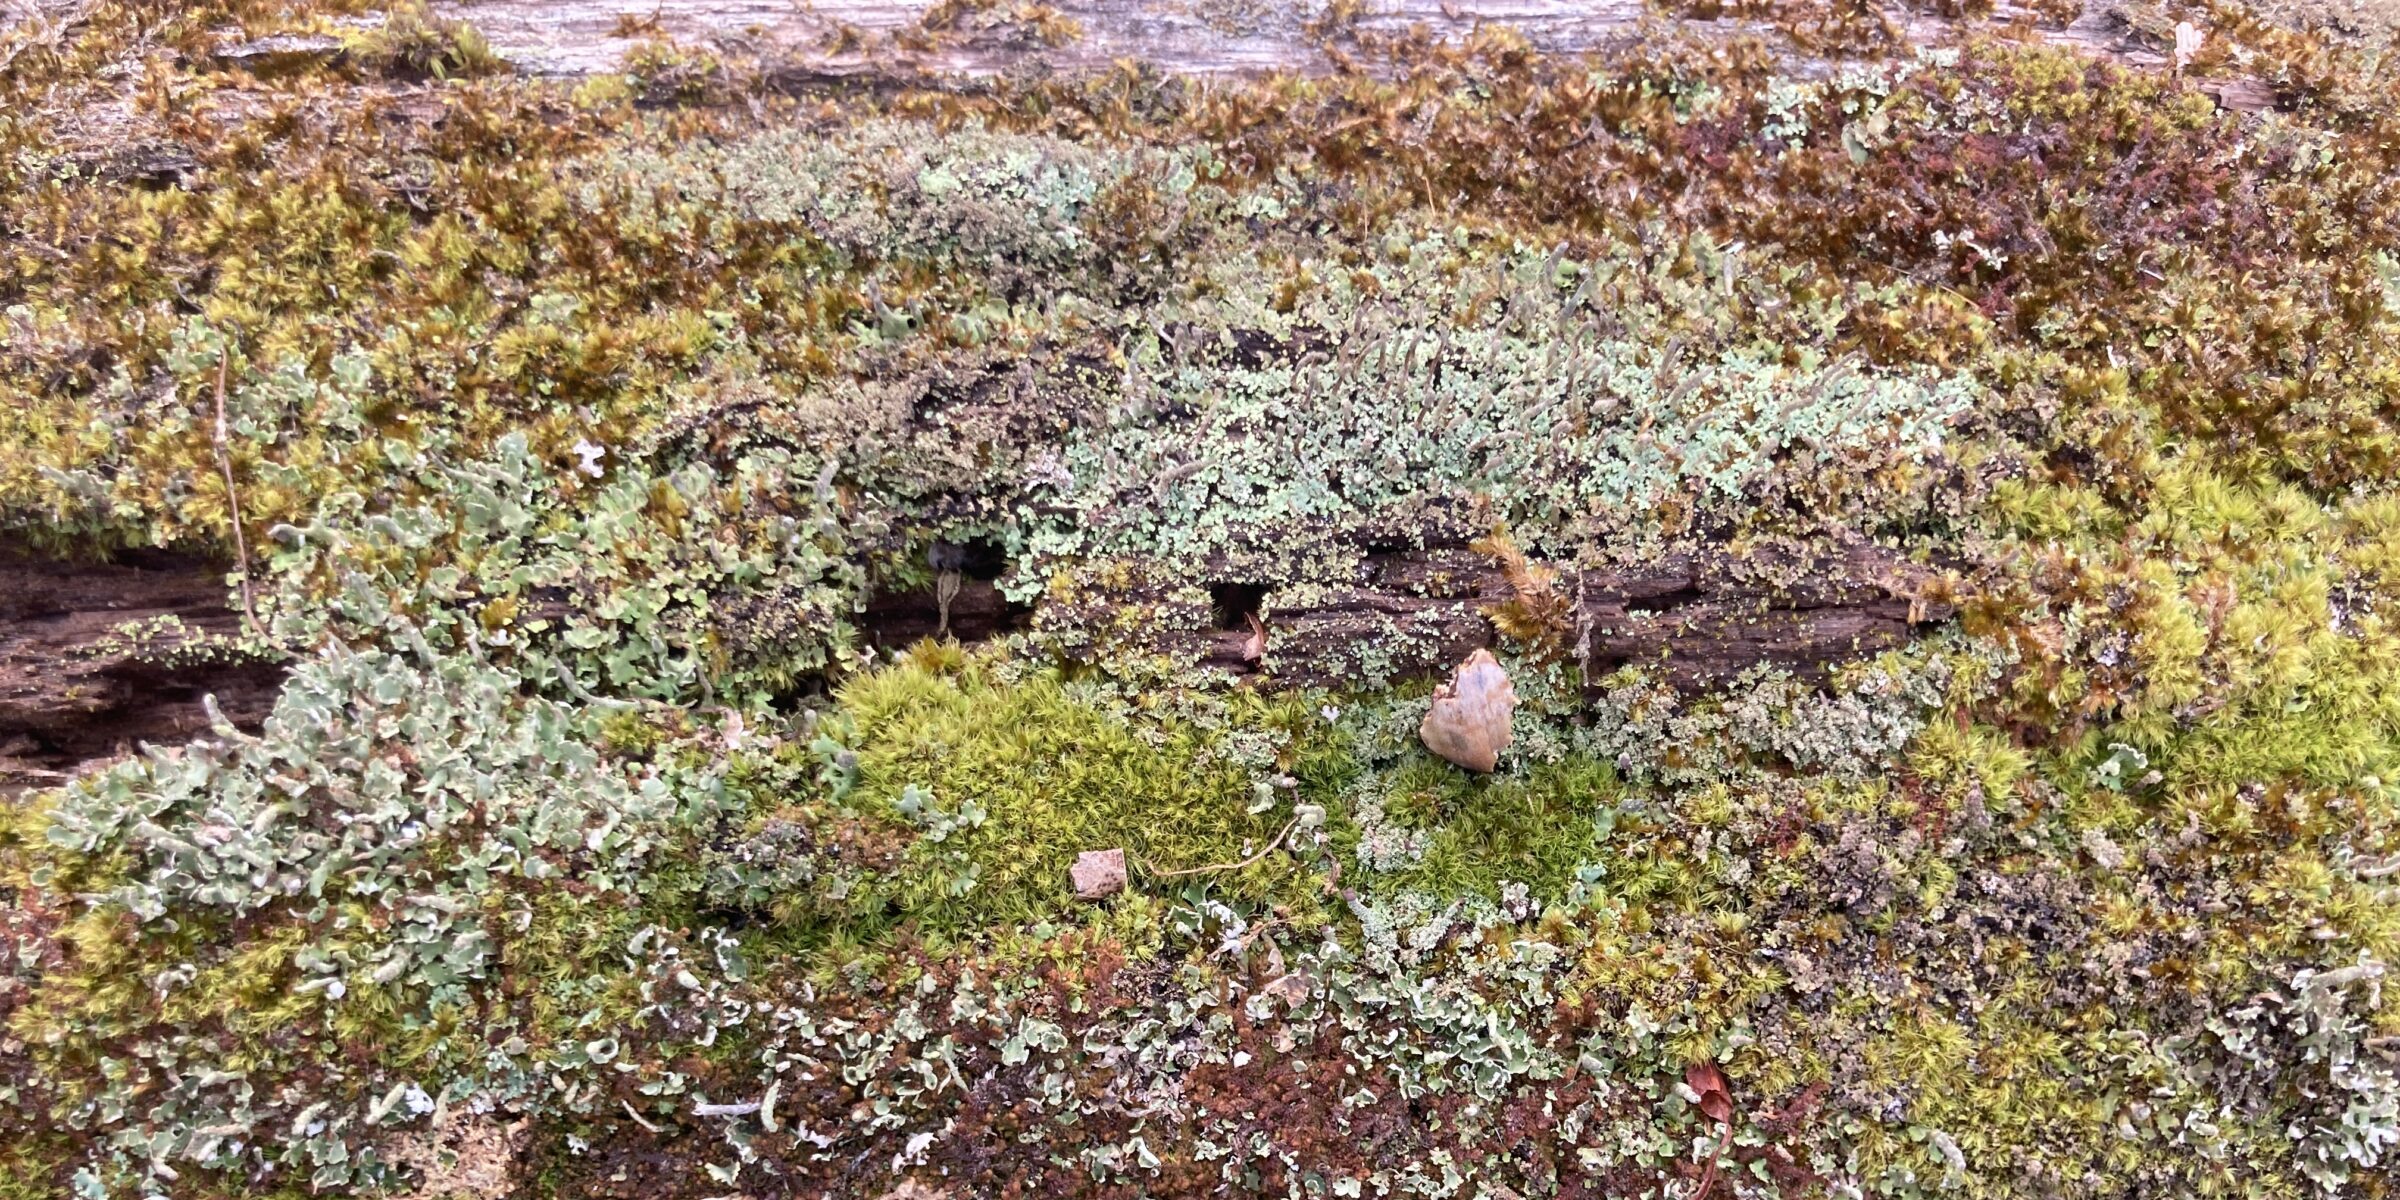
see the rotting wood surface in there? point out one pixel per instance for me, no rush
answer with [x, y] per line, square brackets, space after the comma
[851, 38]
[97, 659]
[1697, 615]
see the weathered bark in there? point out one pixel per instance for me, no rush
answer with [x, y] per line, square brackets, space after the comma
[1696, 617]
[854, 38]
[96, 659]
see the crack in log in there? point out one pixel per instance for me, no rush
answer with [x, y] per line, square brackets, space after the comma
[1697, 617]
[96, 659]
[978, 613]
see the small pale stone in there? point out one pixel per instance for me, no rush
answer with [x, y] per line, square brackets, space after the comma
[1099, 874]
[1469, 721]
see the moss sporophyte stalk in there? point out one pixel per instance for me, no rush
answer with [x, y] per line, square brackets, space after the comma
[733, 542]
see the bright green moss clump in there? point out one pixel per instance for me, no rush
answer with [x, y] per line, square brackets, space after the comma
[1009, 782]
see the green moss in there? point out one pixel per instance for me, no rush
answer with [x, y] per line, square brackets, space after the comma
[1468, 835]
[36, 1167]
[413, 43]
[1008, 782]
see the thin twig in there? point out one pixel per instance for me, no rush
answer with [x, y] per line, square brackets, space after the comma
[233, 498]
[1251, 861]
[945, 589]
[1708, 1177]
[576, 689]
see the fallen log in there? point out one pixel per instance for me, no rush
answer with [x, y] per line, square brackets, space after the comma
[1695, 617]
[861, 39]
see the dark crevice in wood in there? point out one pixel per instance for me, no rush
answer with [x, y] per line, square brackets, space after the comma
[896, 620]
[97, 659]
[1233, 606]
[1696, 618]
[1681, 597]
[975, 558]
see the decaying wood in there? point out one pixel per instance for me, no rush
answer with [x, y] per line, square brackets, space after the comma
[1696, 616]
[97, 659]
[895, 620]
[834, 39]
[75, 688]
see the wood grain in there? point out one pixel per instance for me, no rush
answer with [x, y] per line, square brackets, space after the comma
[73, 688]
[1193, 37]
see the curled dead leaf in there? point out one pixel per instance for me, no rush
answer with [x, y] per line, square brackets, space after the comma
[1716, 1098]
